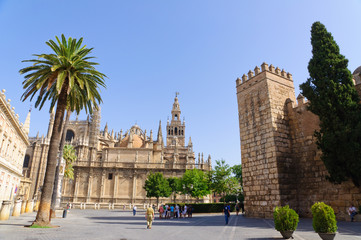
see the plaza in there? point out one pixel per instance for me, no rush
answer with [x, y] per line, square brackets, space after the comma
[121, 225]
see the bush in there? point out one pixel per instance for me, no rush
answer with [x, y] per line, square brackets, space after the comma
[324, 219]
[285, 218]
[206, 207]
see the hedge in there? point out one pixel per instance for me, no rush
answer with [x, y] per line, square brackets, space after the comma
[206, 207]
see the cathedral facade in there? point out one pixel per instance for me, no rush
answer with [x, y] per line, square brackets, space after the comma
[112, 167]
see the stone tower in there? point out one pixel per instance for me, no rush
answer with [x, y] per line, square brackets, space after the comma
[265, 143]
[176, 129]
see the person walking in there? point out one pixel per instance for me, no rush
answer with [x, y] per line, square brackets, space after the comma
[226, 212]
[161, 211]
[237, 208]
[134, 210]
[352, 212]
[149, 215]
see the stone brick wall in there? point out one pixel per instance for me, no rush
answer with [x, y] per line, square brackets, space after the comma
[281, 163]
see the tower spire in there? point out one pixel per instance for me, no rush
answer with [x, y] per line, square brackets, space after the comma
[160, 135]
[27, 123]
[51, 124]
[176, 128]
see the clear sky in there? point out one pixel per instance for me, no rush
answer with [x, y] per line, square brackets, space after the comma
[151, 49]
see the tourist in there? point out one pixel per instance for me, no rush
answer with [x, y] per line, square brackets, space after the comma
[171, 211]
[134, 210]
[237, 208]
[242, 207]
[161, 211]
[226, 212]
[176, 211]
[352, 212]
[166, 211]
[185, 211]
[190, 211]
[149, 215]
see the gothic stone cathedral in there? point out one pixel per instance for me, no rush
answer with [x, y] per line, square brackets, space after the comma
[112, 168]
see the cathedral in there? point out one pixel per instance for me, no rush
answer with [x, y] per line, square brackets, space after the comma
[112, 167]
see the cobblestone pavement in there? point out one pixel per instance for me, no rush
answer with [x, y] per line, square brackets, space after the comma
[121, 225]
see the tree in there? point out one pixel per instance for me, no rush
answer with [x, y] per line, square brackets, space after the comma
[220, 178]
[334, 99]
[157, 186]
[70, 81]
[69, 156]
[175, 185]
[237, 172]
[195, 183]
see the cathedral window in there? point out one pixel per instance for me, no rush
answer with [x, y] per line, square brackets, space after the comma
[69, 135]
[172, 132]
[176, 116]
[176, 131]
[182, 132]
[110, 176]
[26, 161]
[168, 131]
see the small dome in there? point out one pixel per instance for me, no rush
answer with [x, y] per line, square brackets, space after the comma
[357, 71]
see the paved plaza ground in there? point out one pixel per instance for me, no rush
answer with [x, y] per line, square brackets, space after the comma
[121, 225]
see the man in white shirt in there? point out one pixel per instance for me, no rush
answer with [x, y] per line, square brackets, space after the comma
[352, 212]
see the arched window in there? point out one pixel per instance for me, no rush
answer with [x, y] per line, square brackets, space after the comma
[172, 132]
[69, 135]
[175, 130]
[182, 132]
[26, 161]
[176, 116]
[168, 131]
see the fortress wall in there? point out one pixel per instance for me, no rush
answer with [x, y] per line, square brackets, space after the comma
[280, 160]
[312, 185]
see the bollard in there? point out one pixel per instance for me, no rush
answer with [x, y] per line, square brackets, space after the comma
[17, 208]
[81, 205]
[112, 206]
[95, 206]
[5, 210]
[65, 212]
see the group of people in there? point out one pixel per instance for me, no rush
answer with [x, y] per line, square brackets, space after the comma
[174, 211]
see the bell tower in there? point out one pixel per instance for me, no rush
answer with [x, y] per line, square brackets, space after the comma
[176, 129]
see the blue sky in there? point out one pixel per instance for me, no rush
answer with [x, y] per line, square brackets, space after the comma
[151, 49]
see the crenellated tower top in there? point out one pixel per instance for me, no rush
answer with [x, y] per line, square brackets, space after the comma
[264, 68]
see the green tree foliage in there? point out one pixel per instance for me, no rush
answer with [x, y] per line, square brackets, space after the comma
[237, 172]
[323, 218]
[196, 183]
[175, 185]
[285, 219]
[157, 186]
[334, 99]
[221, 178]
[70, 157]
[69, 80]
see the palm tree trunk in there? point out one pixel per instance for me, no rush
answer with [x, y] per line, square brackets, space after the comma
[56, 198]
[43, 215]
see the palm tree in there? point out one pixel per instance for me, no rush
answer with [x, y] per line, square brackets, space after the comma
[70, 81]
[69, 157]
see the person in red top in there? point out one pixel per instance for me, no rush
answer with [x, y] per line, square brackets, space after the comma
[161, 211]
